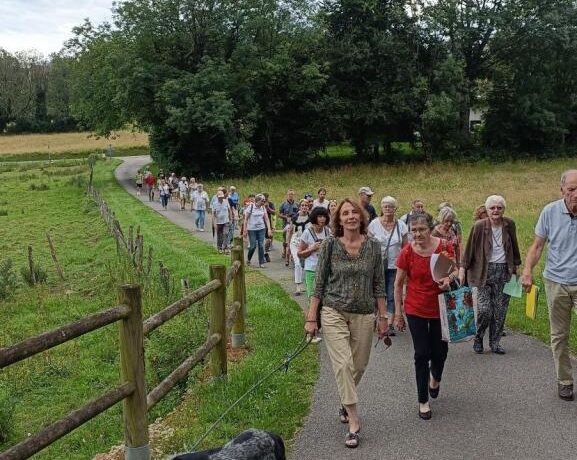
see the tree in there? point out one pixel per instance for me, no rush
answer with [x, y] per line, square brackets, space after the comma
[372, 47]
[533, 98]
[217, 84]
[22, 87]
[468, 29]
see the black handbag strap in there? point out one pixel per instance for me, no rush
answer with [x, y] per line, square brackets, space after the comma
[391, 236]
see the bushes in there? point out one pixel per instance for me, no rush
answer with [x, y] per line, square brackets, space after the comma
[8, 283]
[40, 275]
[78, 181]
[39, 187]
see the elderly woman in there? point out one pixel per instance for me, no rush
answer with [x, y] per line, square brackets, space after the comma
[392, 234]
[448, 229]
[257, 226]
[299, 224]
[422, 306]
[490, 258]
[349, 278]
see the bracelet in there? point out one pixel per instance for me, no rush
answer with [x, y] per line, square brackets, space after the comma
[311, 321]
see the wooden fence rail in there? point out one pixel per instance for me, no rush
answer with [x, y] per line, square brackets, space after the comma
[132, 391]
[62, 427]
[179, 306]
[34, 345]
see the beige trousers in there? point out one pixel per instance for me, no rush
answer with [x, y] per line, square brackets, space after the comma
[561, 299]
[348, 338]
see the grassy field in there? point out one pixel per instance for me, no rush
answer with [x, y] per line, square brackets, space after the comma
[69, 145]
[527, 186]
[48, 386]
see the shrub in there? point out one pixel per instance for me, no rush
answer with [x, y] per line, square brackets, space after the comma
[39, 273]
[8, 280]
[78, 181]
[39, 187]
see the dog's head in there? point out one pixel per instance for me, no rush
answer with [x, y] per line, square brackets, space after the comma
[249, 445]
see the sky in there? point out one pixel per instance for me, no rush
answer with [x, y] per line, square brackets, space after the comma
[44, 25]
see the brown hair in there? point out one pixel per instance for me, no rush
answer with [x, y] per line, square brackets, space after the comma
[478, 211]
[336, 224]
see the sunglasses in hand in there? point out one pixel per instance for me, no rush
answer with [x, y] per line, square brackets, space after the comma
[386, 343]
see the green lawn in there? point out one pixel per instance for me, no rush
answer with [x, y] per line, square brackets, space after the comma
[46, 387]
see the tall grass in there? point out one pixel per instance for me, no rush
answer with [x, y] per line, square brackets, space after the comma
[67, 142]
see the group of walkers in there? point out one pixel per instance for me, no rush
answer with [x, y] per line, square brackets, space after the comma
[373, 273]
[364, 271]
[187, 192]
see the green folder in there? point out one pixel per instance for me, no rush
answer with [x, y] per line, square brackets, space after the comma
[513, 287]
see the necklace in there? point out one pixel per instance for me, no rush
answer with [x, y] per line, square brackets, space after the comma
[498, 236]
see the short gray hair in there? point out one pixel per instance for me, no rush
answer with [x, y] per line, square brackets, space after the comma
[389, 200]
[445, 204]
[446, 213]
[495, 199]
[565, 174]
[259, 197]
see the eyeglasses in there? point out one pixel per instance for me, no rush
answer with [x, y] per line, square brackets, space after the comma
[498, 208]
[386, 341]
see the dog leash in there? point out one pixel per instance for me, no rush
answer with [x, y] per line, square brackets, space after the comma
[282, 366]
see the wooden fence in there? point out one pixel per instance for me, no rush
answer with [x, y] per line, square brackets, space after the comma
[132, 243]
[132, 390]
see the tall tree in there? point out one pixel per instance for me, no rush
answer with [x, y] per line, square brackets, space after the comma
[533, 97]
[468, 28]
[217, 83]
[372, 47]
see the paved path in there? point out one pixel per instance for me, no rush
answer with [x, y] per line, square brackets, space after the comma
[490, 407]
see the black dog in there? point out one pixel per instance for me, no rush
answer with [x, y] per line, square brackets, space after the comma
[249, 445]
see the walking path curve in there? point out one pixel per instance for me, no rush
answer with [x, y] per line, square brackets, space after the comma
[490, 406]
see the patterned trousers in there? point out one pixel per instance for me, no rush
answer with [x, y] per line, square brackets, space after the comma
[492, 304]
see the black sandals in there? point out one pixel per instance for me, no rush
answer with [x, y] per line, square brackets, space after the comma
[343, 415]
[352, 439]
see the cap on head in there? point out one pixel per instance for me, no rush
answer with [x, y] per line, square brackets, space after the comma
[366, 190]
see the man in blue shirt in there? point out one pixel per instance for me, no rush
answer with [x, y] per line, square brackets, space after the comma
[557, 226]
[233, 197]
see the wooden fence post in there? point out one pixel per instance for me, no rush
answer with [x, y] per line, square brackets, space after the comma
[130, 240]
[54, 257]
[132, 370]
[238, 241]
[218, 321]
[31, 265]
[237, 335]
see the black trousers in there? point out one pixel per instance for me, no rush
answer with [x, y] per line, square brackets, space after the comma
[430, 352]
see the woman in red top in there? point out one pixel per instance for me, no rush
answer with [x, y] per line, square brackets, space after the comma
[422, 306]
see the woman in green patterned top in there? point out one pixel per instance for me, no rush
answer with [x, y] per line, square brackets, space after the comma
[349, 279]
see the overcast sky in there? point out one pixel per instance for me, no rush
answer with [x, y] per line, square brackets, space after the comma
[45, 25]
